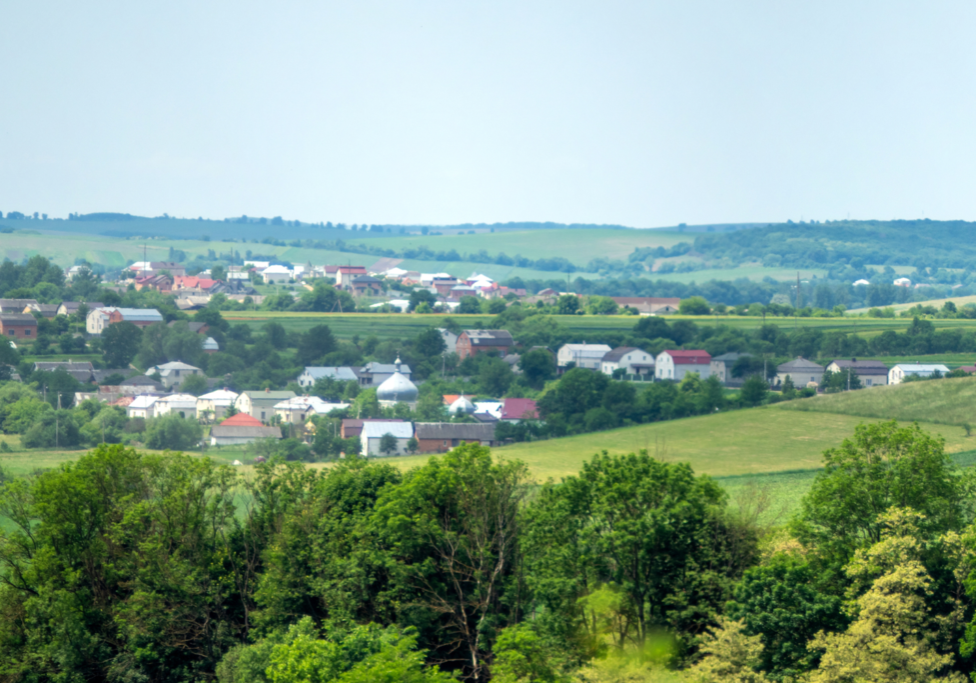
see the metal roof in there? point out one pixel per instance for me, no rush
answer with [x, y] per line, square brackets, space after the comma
[474, 431]
[376, 430]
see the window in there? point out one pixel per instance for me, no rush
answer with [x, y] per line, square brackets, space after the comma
[262, 414]
[26, 333]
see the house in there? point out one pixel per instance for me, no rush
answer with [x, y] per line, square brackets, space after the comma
[366, 285]
[902, 282]
[184, 405]
[145, 268]
[518, 409]
[173, 373]
[312, 374]
[193, 326]
[142, 406]
[298, 409]
[374, 373]
[586, 356]
[631, 360]
[100, 318]
[649, 305]
[15, 305]
[18, 325]
[345, 274]
[872, 373]
[473, 342]
[142, 384]
[72, 307]
[46, 310]
[675, 365]
[260, 404]
[372, 435]
[351, 427]
[82, 371]
[801, 371]
[721, 366]
[158, 283]
[450, 340]
[241, 429]
[210, 346]
[202, 284]
[214, 405]
[899, 373]
[276, 274]
[440, 437]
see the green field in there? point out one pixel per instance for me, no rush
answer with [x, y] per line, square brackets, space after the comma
[946, 401]
[959, 301]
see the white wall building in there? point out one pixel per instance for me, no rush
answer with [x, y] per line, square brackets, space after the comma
[184, 405]
[213, 406]
[373, 433]
[313, 373]
[276, 274]
[583, 355]
[298, 409]
[629, 359]
[173, 373]
[900, 372]
[142, 406]
[674, 365]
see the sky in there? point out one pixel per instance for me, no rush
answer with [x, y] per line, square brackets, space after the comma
[635, 113]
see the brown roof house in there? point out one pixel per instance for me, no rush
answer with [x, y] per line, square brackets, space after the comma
[473, 342]
[649, 305]
[440, 437]
[18, 325]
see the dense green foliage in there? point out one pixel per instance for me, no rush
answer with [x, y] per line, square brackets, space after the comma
[141, 567]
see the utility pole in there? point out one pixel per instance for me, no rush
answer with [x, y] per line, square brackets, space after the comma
[57, 426]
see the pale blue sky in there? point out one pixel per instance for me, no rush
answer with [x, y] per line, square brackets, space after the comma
[638, 113]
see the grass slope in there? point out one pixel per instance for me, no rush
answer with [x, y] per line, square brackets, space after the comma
[945, 401]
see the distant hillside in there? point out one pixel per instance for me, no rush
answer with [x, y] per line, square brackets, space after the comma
[946, 401]
[921, 243]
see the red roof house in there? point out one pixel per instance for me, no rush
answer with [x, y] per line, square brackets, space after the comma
[241, 420]
[676, 364]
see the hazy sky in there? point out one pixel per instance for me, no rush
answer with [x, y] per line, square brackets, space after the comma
[637, 113]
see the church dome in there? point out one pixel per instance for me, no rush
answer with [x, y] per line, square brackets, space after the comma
[397, 388]
[461, 405]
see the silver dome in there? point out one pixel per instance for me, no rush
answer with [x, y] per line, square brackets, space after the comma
[461, 405]
[397, 388]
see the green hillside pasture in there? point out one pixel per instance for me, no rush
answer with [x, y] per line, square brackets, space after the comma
[577, 246]
[750, 272]
[743, 442]
[946, 401]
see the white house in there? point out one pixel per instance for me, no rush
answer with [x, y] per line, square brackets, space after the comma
[142, 406]
[213, 406]
[275, 274]
[373, 433]
[802, 373]
[629, 359]
[173, 373]
[184, 405]
[298, 409]
[872, 373]
[902, 371]
[674, 365]
[312, 373]
[902, 282]
[260, 404]
[583, 355]
[450, 340]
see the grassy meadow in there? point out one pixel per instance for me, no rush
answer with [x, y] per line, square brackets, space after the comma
[944, 401]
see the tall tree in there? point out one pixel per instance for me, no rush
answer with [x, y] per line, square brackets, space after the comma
[120, 344]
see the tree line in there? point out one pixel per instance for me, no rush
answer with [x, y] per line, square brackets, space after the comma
[129, 566]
